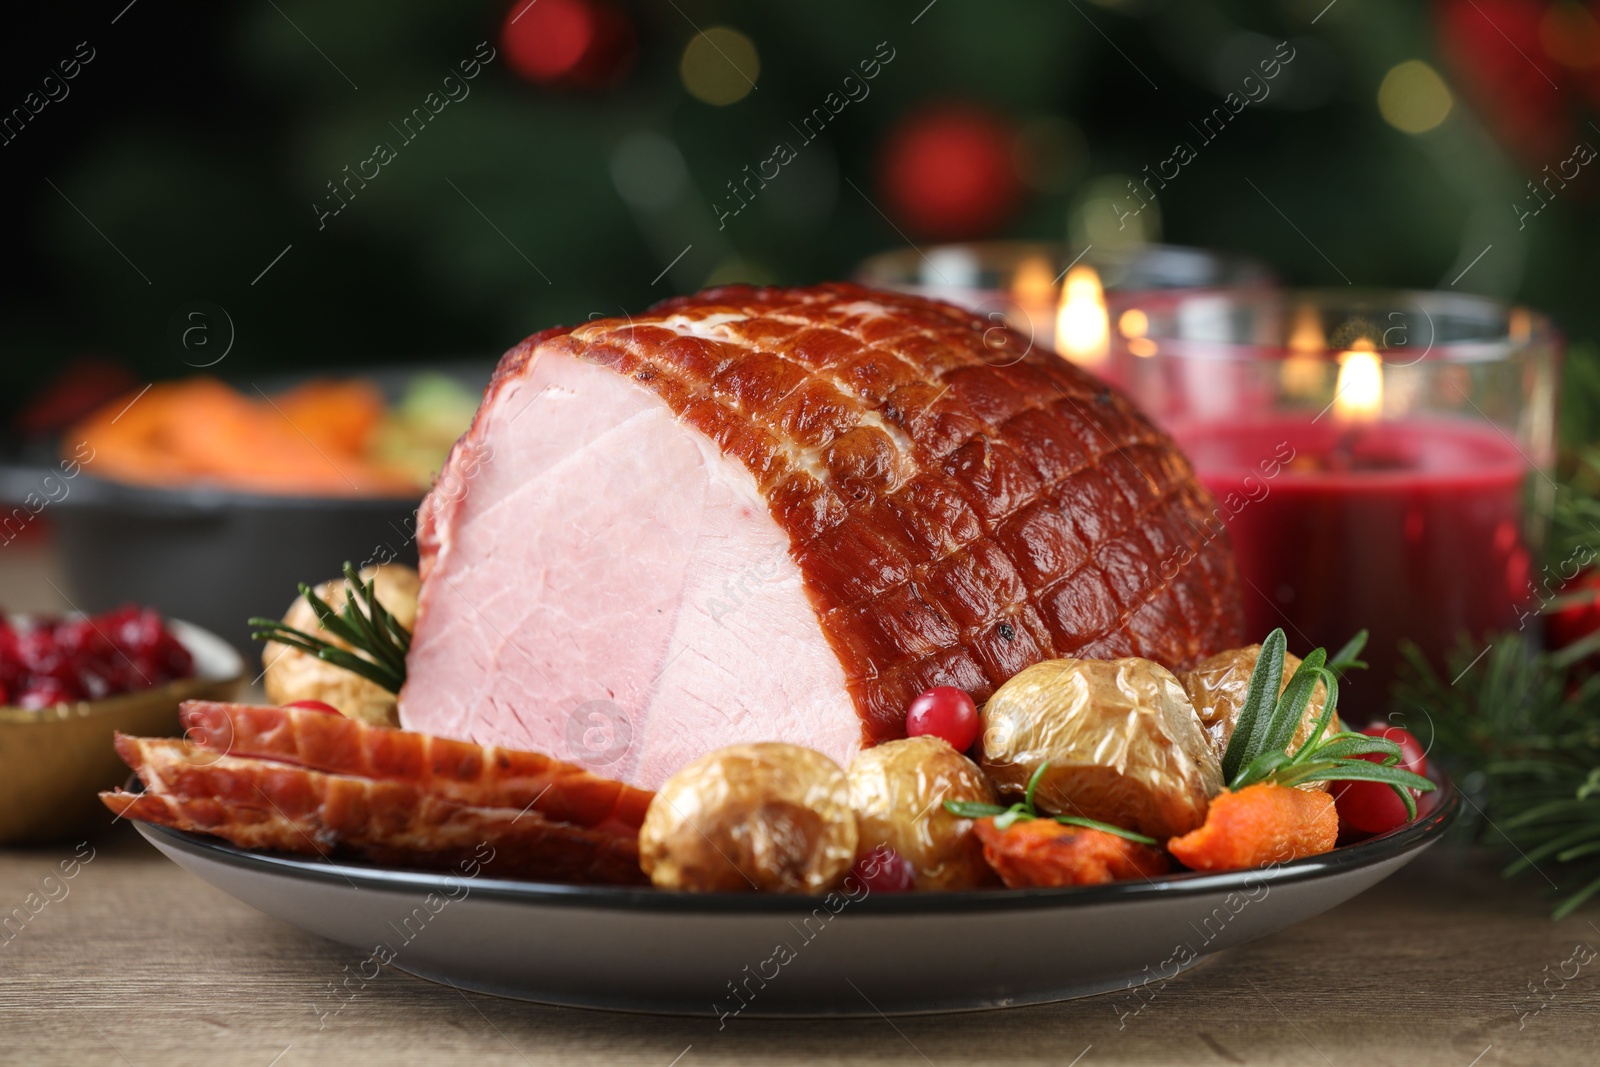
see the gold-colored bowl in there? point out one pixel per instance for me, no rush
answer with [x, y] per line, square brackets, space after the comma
[55, 760]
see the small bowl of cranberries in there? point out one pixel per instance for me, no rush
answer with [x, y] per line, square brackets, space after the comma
[68, 684]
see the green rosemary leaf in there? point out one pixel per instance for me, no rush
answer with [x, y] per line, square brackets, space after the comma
[329, 619]
[1348, 746]
[1260, 698]
[279, 637]
[1345, 659]
[366, 668]
[388, 623]
[972, 809]
[1011, 815]
[1354, 770]
[317, 644]
[387, 630]
[1033, 784]
[1260, 769]
[1360, 770]
[1096, 824]
[1291, 707]
[1315, 741]
[378, 643]
[360, 603]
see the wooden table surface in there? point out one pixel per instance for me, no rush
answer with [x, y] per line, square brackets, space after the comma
[140, 963]
[135, 962]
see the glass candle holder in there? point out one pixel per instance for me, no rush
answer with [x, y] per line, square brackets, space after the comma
[1059, 296]
[1378, 458]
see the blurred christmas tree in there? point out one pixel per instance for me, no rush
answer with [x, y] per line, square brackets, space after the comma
[332, 177]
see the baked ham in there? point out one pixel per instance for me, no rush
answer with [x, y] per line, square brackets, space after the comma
[780, 514]
[300, 781]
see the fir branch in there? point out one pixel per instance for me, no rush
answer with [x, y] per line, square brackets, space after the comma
[1521, 732]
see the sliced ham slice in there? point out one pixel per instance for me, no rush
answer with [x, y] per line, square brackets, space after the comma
[261, 803]
[477, 775]
[779, 514]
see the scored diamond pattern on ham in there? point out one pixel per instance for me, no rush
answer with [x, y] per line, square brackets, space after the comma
[780, 514]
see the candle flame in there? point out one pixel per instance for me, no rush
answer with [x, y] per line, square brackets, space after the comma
[1083, 327]
[1033, 291]
[1134, 324]
[1358, 393]
[1306, 334]
[1035, 283]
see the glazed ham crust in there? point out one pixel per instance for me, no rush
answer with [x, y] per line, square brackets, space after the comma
[959, 505]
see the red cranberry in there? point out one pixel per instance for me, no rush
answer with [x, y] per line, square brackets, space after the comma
[884, 871]
[947, 712]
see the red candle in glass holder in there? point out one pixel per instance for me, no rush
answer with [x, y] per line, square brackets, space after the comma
[1370, 452]
[1410, 529]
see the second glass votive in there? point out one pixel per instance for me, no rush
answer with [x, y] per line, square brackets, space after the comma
[1372, 454]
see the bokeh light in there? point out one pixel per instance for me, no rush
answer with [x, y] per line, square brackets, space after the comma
[720, 66]
[649, 171]
[1570, 35]
[545, 41]
[1413, 97]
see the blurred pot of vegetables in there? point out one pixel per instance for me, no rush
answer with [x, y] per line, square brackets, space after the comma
[207, 501]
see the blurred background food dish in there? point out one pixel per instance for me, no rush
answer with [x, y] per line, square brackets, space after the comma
[54, 760]
[322, 437]
[213, 502]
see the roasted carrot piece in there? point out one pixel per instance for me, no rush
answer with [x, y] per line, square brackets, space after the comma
[1259, 825]
[1042, 852]
[337, 415]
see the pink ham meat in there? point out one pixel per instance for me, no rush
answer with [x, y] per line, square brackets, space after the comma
[779, 514]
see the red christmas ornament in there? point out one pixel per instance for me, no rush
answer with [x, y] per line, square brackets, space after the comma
[581, 44]
[1495, 49]
[947, 172]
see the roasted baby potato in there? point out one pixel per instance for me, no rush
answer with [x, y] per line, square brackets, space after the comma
[1217, 689]
[899, 789]
[767, 817]
[1122, 743]
[292, 674]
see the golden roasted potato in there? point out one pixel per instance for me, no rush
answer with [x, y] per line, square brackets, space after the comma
[899, 789]
[1123, 744]
[768, 817]
[1217, 687]
[292, 674]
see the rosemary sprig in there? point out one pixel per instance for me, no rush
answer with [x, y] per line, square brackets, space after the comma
[1023, 811]
[364, 624]
[1258, 751]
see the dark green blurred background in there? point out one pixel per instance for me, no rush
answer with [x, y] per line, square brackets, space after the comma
[199, 137]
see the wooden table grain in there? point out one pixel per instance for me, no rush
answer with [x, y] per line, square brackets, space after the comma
[135, 962]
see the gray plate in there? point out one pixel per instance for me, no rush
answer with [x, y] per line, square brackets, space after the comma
[721, 955]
